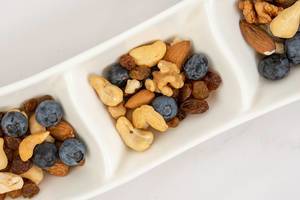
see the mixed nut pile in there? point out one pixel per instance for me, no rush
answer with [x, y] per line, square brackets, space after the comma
[35, 139]
[271, 27]
[155, 85]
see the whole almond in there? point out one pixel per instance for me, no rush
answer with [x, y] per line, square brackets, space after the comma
[178, 53]
[257, 38]
[141, 98]
[63, 130]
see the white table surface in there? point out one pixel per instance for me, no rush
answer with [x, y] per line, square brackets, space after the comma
[259, 160]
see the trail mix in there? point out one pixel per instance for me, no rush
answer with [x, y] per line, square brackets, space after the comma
[271, 27]
[35, 139]
[155, 86]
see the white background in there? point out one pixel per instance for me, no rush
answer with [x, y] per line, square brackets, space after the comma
[257, 161]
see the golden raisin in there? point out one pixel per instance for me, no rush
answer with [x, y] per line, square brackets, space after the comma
[185, 92]
[140, 73]
[2, 196]
[200, 90]
[127, 62]
[173, 123]
[15, 194]
[29, 189]
[58, 169]
[212, 80]
[194, 106]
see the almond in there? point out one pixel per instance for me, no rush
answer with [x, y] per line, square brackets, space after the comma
[141, 98]
[178, 53]
[63, 130]
[257, 38]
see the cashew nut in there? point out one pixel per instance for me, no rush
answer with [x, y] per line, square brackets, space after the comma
[35, 174]
[27, 145]
[3, 157]
[117, 111]
[138, 140]
[145, 115]
[34, 126]
[109, 94]
[10, 182]
[132, 86]
[149, 55]
[286, 24]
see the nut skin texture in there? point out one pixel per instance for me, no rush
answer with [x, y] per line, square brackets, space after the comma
[286, 24]
[149, 55]
[49, 113]
[108, 93]
[212, 80]
[166, 106]
[143, 97]
[59, 169]
[200, 90]
[19, 167]
[45, 155]
[146, 116]
[274, 67]
[62, 131]
[3, 157]
[257, 38]
[28, 144]
[14, 124]
[140, 73]
[30, 189]
[292, 47]
[178, 53]
[194, 106]
[10, 182]
[72, 151]
[35, 174]
[118, 75]
[127, 62]
[196, 67]
[136, 139]
[117, 111]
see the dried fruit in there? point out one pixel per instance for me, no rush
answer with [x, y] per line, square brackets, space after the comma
[212, 80]
[194, 106]
[149, 55]
[19, 167]
[146, 116]
[200, 90]
[27, 145]
[136, 139]
[3, 157]
[178, 53]
[58, 169]
[185, 92]
[15, 194]
[29, 189]
[140, 73]
[12, 142]
[62, 131]
[141, 98]
[30, 105]
[10, 182]
[117, 111]
[286, 24]
[257, 38]
[181, 115]
[174, 122]
[35, 174]
[127, 62]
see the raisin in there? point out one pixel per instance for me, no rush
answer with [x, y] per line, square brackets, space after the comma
[29, 106]
[127, 62]
[12, 142]
[15, 194]
[58, 169]
[181, 115]
[185, 92]
[140, 73]
[212, 80]
[29, 189]
[173, 123]
[194, 106]
[2, 196]
[19, 167]
[200, 90]
[1, 115]
[175, 94]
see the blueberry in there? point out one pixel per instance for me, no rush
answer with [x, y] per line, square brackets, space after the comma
[45, 155]
[166, 106]
[14, 124]
[49, 113]
[292, 47]
[72, 151]
[196, 67]
[118, 75]
[274, 67]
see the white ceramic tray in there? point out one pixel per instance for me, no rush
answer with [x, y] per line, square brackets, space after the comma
[212, 26]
